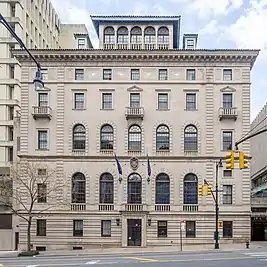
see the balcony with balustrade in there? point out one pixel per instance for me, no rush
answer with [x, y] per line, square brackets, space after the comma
[42, 112]
[228, 113]
[134, 113]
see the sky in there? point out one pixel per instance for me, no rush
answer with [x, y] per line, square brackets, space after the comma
[220, 24]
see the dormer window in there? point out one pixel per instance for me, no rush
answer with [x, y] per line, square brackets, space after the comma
[81, 43]
[190, 44]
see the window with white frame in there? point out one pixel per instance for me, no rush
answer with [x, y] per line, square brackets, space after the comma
[227, 137]
[81, 43]
[163, 74]
[134, 100]
[163, 101]
[135, 74]
[227, 100]
[107, 101]
[107, 74]
[79, 101]
[227, 194]
[42, 139]
[79, 74]
[227, 75]
[191, 101]
[190, 44]
[190, 74]
[42, 99]
[106, 228]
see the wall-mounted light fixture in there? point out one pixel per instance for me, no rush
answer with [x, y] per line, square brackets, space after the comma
[118, 221]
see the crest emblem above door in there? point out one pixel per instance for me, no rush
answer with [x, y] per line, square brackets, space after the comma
[134, 163]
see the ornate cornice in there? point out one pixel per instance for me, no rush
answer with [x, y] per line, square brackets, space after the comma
[172, 55]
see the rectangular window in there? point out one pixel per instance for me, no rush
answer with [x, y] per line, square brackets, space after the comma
[11, 72]
[77, 227]
[79, 101]
[227, 229]
[163, 101]
[81, 43]
[42, 139]
[163, 74]
[41, 193]
[10, 92]
[106, 100]
[190, 44]
[43, 99]
[41, 227]
[134, 100]
[135, 74]
[227, 100]
[227, 194]
[227, 75]
[79, 74]
[41, 172]
[107, 74]
[227, 140]
[10, 133]
[106, 228]
[191, 75]
[227, 173]
[191, 101]
[190, 229]
[162, 228]
[10, 154]
[44, 74]
[10, 113]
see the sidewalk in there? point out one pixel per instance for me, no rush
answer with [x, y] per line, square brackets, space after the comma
[135, 250]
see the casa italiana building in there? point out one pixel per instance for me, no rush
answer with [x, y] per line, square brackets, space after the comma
[143, 92]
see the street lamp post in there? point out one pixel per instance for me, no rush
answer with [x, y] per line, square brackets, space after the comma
[218, 164]
[216, 200]
[38, 82]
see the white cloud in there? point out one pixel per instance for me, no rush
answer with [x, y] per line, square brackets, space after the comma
[69, 13]
[208, 8]
[249, 31]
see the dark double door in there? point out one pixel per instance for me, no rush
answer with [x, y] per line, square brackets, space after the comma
[134, 232]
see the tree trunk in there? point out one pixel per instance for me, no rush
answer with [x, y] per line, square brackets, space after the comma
[29, 234]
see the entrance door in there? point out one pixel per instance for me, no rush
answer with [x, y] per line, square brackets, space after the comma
[134, 232]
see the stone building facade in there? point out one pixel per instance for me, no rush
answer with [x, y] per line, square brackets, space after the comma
[179, 109]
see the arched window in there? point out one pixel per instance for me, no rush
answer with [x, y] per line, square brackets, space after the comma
[163, 35]
[106, 188]
[78, 190]
[134, 191]
[190, 189]
[106, 137]
[109, 35]
[150, 35]
[122, 35]
[134, 138]
[162, 189]
[162, 138]
[136, 35]
[79, 137]
[190, 138]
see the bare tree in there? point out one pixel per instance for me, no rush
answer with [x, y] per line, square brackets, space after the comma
[30, 191]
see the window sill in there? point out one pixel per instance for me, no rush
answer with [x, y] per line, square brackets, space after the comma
[107, 109]
[40, 149]
[79, 109]
[161, 109]
[186, 109]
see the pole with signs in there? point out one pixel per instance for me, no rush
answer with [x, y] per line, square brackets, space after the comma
[182, 228]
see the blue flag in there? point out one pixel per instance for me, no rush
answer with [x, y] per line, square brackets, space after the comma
[148, 166]
[118, 165]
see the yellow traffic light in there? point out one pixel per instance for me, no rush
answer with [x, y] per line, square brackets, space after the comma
[200, 190]
[208, 190]
[230, 160]
[243, 160]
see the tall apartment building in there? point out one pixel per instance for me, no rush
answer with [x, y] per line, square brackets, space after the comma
[140, 94]
[37, 24]
[259, 177]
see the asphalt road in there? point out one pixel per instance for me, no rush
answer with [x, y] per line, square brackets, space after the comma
[179, 259]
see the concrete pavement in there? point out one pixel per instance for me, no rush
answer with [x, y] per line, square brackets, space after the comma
[167, 259]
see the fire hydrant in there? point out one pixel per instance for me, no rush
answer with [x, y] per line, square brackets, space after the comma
[247, 244]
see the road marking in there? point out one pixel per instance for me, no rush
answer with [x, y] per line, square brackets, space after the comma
[92, 262]
[141, 259]
[32, 265]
